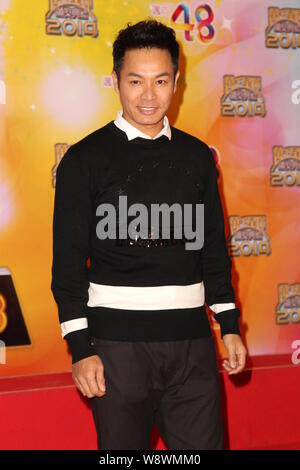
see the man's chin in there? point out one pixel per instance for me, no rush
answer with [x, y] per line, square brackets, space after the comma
[148, 119]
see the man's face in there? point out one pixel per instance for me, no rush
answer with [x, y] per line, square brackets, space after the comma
[146, 87]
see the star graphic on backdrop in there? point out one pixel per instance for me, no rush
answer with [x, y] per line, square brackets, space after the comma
[67, 70]
[226, 23]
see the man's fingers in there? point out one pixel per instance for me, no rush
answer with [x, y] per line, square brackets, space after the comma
[88, 376]
[227, 365]
[242, 358]
[236, 370]
[93, 386]
[86, 386]
[100, 379]
[232, 356]
[79, 386]
[236, 354]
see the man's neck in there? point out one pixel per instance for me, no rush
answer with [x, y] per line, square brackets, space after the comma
[150, 130]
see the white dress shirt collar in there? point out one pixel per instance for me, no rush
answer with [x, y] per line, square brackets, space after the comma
[132, 132]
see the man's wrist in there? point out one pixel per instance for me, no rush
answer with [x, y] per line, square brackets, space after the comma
[228, 320]
[79, 342]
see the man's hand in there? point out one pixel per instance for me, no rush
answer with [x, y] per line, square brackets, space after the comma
[236, 352]
[88, 375]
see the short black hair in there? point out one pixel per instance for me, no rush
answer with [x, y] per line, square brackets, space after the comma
[144, 34]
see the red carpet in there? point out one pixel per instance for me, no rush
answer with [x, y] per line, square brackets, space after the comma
[260, 410]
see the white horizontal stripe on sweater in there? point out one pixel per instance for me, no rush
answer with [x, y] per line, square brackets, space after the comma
[218, 308]
[146, 298]
[143, 298]
[73, 325]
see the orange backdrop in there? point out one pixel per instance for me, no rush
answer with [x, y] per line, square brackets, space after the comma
[239, 91]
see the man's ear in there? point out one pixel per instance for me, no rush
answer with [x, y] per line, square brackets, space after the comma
[115, 80]
[176, 78]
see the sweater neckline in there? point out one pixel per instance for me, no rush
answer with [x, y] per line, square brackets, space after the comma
[160, 141]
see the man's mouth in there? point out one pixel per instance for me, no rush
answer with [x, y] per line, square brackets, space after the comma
[147, 109]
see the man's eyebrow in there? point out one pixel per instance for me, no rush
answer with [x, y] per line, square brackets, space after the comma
[133, 74]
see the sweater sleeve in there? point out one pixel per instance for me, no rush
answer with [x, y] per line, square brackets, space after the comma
[71, 231]
[216, 262]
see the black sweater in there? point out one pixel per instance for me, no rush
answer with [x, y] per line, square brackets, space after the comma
[98, 169]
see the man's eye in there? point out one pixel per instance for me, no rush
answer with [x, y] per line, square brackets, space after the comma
[138, 81]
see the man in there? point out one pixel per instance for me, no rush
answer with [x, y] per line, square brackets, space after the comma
[135, 320]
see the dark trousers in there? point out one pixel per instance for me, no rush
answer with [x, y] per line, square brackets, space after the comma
[174, 384]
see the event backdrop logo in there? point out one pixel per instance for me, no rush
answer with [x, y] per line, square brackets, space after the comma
[295, 96]
[285, 170]
[283, 28]
[295, 358]
[288, 307]
[195, 23]
[71, 17]
[203, 17]
[13, 331]
[242, 96]
[249, 235]
[59, 151]
[107, 81]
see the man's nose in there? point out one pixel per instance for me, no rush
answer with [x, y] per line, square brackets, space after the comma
[148, 92]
